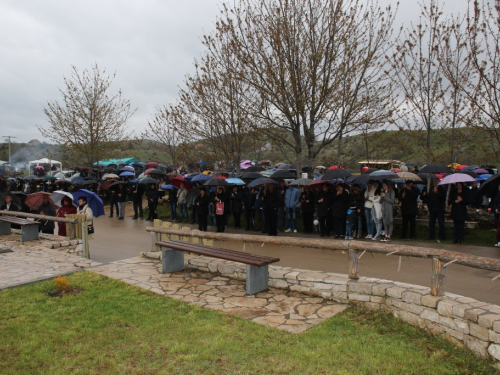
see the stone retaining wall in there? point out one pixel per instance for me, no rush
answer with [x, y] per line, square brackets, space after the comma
[462, 320]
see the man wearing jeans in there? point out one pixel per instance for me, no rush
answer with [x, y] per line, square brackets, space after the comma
[182, 201]
[291, 200]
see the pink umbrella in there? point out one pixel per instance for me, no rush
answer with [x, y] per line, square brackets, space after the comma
[456, 177]
[178, 180]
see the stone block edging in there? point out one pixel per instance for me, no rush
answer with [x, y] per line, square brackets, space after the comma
[463, 320]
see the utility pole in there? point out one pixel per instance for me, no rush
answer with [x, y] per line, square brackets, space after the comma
[9, 137]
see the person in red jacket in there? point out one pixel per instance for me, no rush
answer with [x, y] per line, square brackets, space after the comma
[66, 209]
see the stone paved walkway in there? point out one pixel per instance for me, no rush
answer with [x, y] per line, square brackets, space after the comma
[37, 260]
[287, 311]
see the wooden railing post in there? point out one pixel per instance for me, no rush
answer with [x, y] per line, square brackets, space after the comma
[438, 277]
[353, 264]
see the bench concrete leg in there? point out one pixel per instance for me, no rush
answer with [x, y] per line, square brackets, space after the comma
[29, 233]
[4, 228]
[171, 260]
[257, 279]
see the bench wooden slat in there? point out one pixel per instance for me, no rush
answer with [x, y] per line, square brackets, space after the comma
[236, 253]
[16, 220]
[232, 255]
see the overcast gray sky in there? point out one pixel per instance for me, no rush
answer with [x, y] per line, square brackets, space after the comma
[150, 44]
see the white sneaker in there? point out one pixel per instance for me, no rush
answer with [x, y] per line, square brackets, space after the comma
[369, 236]
[295, 231]
[382, 232]
[375, 238]
[497, 244]
[288, 231]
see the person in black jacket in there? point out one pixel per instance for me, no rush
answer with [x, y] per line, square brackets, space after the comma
[307, 199]
[323, 200]
[201, 204]
[408, 197]
[220, 218]
[8, 204]
[46, 208]
[339, 211]
[272, 202]
[121, 198]
[459, 199]
[152, 196]
[436, 204]
[236, 206]
[137, 191]
[172, 200]
[249, 203]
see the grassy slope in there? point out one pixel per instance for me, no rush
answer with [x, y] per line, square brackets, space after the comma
[114, 328]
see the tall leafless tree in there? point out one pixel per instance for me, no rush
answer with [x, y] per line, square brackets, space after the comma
[90, 120]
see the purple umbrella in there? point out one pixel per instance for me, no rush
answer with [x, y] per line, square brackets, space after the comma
[481, 171]
[456, 177]
[126, 173]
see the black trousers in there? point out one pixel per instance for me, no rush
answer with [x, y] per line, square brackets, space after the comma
[458, 230]
[152, 211]
[137, 208]
[237, 219]
[248, 219]
[439, 216]
[202, 222]
[408, 219]
[307, 220]
[220, 221]
[324, 226]
[113, 203]
[272, 220]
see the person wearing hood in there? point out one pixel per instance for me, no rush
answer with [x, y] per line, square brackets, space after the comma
[66, 209]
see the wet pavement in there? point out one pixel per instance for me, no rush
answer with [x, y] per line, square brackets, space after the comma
[122, 239]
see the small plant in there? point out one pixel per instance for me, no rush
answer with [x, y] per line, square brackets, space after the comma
[62, 284]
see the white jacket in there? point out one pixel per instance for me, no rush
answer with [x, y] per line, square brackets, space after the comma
[87, 211]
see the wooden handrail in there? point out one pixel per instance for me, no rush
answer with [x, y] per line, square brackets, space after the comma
[36, 216]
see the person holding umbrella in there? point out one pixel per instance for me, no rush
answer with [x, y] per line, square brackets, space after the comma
[152, 195]
[323, 200]
[340, 202]
[409, 208]
[172, 200]
[307, 207]
[221, 203]
[66, 209]
[458, 200]
[121, 198]
[387, 199]
[137, 192]
[46, 208]
[236, 206]
[436, 204]
[201, 204]
[272, 202]
[84, 209]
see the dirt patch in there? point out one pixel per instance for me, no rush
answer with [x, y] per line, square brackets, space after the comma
[71, 291]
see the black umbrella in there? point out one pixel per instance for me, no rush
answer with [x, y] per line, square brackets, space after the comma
[470, 173]
[49, 178]
[435, 168]
[335, 174]
[255, 168]
[116, 183]
[285, 167]
[149, 180]
[157, 172]
[423, 176]
[216, 182]
[411, 164]
[251, 176]
[88, 182]
[490, 186]
[109, 170]
[31, 177]
[91, 178]
[17, 199]
[281, 175]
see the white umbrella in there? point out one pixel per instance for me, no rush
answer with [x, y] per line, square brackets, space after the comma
[58, 195]
[110, 175]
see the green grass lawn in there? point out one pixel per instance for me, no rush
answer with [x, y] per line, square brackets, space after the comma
[113, 328]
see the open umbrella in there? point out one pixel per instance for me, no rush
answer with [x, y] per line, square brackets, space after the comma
[300, 182]
[470, 173]
[17, 199]
[168, 187]
[261, 182]
[317, 185]
[411, 164]
[490, 186]
[149, 180]
[156, 172]
[335, 173]
[285, 167]
[49, 178]
[128, 168]
[151, 164]
[34, 200]
[116, 183]
[31, 177]
[408, 176]
[62, 181]
[201, 178]
[383, 175]
[235, 181]
[435, 168]
[481, 171]
[58, 195]
[250, 175]
[93, 201]
[216, 182]
[110, 175]
[255, 168]
[178, 180]
[126, 174]
[281, 175]
[456, 177]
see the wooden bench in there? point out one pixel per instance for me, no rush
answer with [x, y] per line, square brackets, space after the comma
[257, 265]
[29, 229]
[447, 223]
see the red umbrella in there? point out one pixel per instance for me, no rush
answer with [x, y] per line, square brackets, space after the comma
[396, 170]
[34, 200]
[460, 167]
[334, 167]
[149, 170]
[151, 164]
[317, 185]
[221, 177]
[178, 180]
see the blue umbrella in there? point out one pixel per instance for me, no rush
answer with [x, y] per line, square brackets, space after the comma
[201, 178]
[135, 181]
[262, 181]
[169, 187]
[93, 200]
[235, 181]
[127, 173]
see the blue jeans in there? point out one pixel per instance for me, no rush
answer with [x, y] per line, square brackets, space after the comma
[291, 218]
[183, 212]
[370, 225]
[173, 210]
